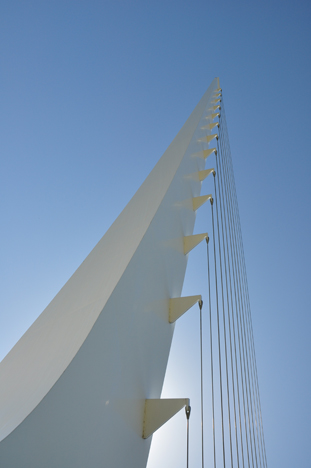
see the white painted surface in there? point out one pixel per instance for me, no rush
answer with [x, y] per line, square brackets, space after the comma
[158, 411]
[72, 390]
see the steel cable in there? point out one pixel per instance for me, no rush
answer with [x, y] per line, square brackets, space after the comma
[201, 356]
[227, 272]
[232, 287]
[223, 307]
[237, 307]
[245, 354]
[244, 330]
[245, 312]
[219, 350]
[244, 364]
[211, 350]
[248, 315]
[188, 411]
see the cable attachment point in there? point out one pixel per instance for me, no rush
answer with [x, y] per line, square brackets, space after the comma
[207, 240]
[188, 411]
[211, 200]
[200, 304]
[214, 173]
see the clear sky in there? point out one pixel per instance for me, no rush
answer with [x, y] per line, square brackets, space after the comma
[92, 93]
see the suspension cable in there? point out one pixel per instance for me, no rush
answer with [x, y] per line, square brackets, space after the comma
[252, 356]
[244, 334]
[188, 411]
[219, 350]
[211, 349]
[237, 307]
[201, 355]
[249, 320]
[226, 260]
[247, 349]
[236, 311]
[223, 311]
[232, 287]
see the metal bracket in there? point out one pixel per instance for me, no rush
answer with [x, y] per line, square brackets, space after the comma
[214, 108]
[192, 241]
[210, 126]
[212, 116]
[209, 138]
[179, 305]
[159, 411]
[205, 173]
[205, 153]
[199, 201]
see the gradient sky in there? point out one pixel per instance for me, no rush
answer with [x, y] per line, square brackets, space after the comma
[92, 93]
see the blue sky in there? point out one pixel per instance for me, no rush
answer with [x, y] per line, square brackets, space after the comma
[92, 93]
